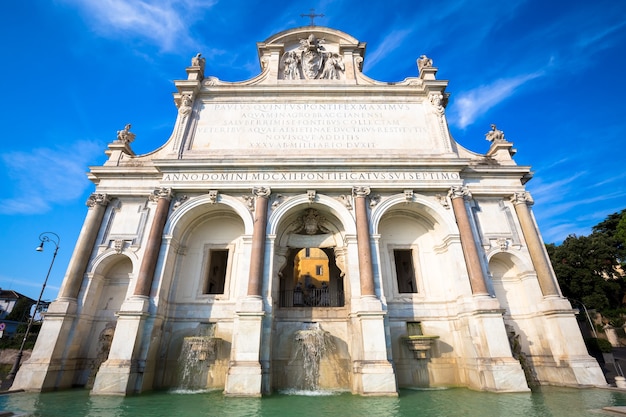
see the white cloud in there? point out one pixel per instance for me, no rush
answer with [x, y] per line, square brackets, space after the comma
[388, 45]
[44, 176]
[165, 24]
[474, 103]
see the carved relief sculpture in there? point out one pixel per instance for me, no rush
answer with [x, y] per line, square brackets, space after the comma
[213, 196]
[179, 200]
[97, 199]
[292, 66]
[198, 61]
[494, 134]
[424, 62]
[310, 223]
[125, 136]
[333, 67]
[185, 104]
[312, 56]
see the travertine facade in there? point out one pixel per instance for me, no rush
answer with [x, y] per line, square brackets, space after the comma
[435, 274]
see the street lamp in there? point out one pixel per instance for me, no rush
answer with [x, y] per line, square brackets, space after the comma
[593, 328]
[43, 238]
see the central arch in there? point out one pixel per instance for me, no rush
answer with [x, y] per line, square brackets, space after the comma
[310, 281]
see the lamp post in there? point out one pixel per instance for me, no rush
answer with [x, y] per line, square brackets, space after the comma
[43, 238]
[593, 328]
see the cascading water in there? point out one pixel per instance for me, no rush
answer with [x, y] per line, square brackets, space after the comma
[312, 345]
[197, 355]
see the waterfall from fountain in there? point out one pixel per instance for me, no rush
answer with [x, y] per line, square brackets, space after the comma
[197, 355]
[312, 344]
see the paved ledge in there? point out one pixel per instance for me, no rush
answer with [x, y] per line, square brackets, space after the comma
[616, 410]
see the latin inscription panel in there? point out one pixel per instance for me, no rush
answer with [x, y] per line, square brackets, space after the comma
[302, 126]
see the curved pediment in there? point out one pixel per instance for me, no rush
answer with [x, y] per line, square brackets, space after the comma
[312, 53]
[296, 34]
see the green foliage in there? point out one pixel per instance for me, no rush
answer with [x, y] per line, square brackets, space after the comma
[589, 268]
[595, 345]
[21, 310]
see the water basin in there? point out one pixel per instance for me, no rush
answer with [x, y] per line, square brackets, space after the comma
[548, 401]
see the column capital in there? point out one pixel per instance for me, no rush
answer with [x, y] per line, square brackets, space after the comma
[97, 199]
[162, 192]
[261, 191]
[458, 192]
[522, 197]
[360, 191]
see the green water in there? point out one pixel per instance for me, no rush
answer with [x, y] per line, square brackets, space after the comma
[550, 402]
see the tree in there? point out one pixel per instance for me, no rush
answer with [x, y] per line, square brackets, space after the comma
[590, 268]
[21, 310]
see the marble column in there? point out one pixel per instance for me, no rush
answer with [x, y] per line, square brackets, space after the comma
[257, 255]
[366, 271]
[468, 243]
[145, 276]
[538, 256]
[84, 246]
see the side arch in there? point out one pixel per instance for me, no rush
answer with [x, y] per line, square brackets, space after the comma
[436, 211]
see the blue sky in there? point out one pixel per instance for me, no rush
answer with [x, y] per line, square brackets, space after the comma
[548, 73]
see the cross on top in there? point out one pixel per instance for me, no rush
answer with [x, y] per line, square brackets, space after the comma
[312, 16]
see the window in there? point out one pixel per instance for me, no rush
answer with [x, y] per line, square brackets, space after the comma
[216, 271]
[405, 271]
[319, 270]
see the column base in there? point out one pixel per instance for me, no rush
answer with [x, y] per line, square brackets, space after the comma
[496, 375]
[46, 369]
[581, 372]
[244, 380]
[374, 378]
[116, 377]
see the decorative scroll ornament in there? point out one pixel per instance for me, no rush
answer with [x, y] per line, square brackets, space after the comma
[97, 199]
[278, 201]
[125, 135]
[249, 200]
[346, 200]
[311, 195]
[261, 191]
[443, 200]
[459, 192]
[213, 194]
[360, 191]
[179, 200]
[522, 197]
